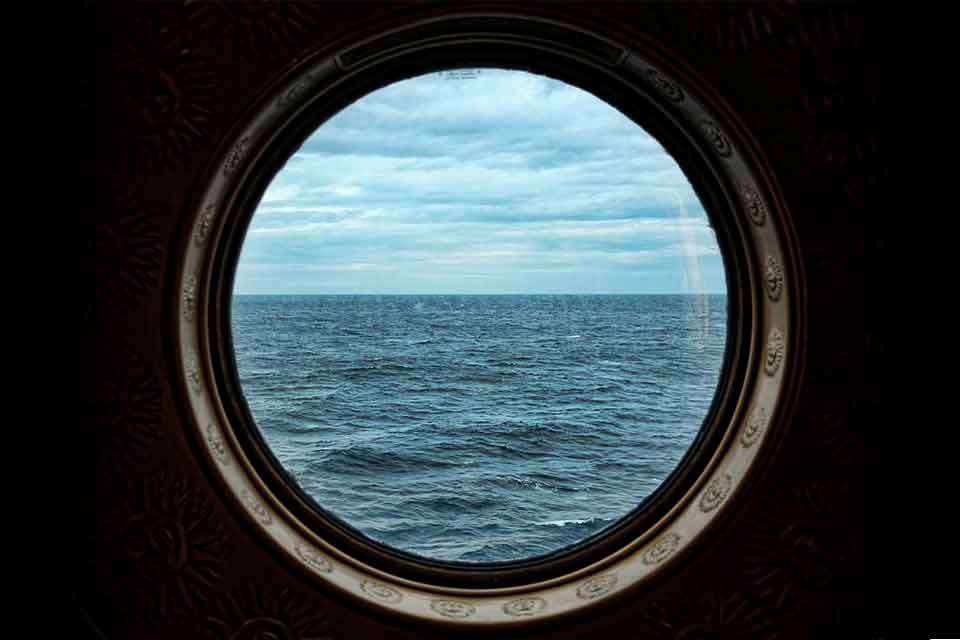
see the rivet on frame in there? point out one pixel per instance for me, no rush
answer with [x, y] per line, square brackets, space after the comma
[190, 296]
[753, 203]
[716, 492]
[312, 558]
[775, 349]
[204, 224]
[717, 138]
[597, 586]
[773, 278]
[259, 511]
[524, 606]
[453, 608]
[235, 157]
[662, 549]
[217, 445]
[756, 424]
[380, 591]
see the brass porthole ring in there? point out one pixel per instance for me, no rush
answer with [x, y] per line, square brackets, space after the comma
[755, 389]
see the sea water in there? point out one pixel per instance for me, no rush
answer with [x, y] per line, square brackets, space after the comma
[479, 428]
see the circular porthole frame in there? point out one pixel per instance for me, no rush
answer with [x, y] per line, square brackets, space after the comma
[761, 365]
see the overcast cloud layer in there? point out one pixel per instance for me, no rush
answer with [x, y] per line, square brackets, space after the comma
[505, 183]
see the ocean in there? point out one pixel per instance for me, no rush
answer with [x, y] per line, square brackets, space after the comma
[479, 428]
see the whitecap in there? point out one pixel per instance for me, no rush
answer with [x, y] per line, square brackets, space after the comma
[563, 523]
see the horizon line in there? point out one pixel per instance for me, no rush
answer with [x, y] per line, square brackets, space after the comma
[648, 293]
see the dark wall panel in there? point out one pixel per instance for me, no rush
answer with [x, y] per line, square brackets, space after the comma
[156, 87]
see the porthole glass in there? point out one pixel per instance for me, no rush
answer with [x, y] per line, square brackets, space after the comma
[479, 316]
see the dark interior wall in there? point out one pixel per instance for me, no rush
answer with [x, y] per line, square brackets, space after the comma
[155, 89]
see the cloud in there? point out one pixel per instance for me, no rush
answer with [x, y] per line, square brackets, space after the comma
[510, 182]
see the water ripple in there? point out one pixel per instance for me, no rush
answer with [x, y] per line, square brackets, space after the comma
[479, 428]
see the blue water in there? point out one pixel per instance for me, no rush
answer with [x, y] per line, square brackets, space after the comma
[479, 428]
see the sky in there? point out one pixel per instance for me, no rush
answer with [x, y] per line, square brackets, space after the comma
[503, 182]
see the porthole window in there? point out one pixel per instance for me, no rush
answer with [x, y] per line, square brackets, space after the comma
[479, 316]
[484, 320]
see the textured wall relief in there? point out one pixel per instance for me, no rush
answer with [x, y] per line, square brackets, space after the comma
[845, 414]
[848, 129]
[117, 413]
[858, 273]
[737, 28]
[255, 613]
[852, 139]
[252, 30]
[709, 615]
[800, 549]
[117, 255]
[822, 60]
[838, 270]
[163, 96]
[169, 545]
[835, 424]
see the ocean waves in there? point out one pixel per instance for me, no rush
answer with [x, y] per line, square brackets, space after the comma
[479, 428]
